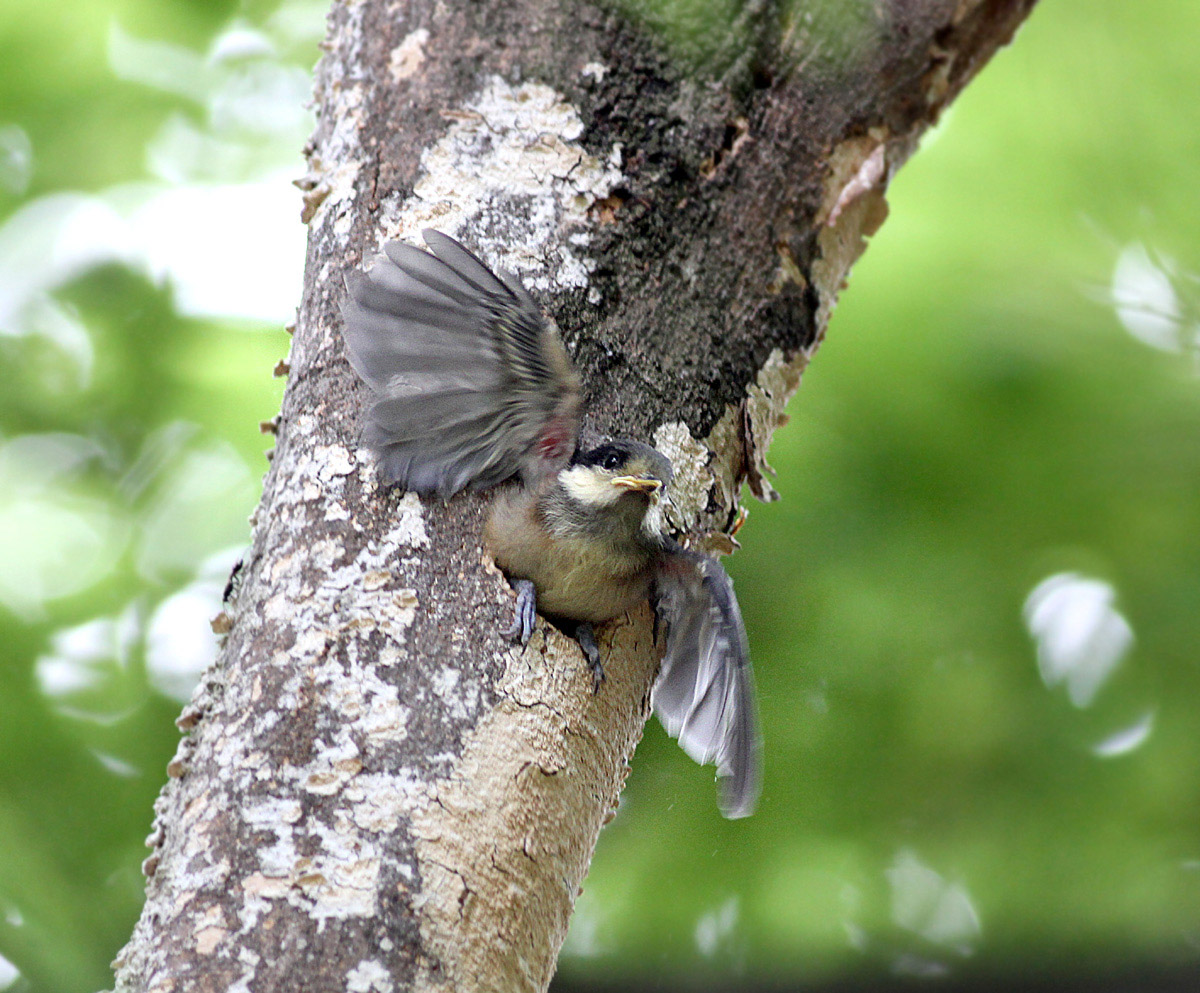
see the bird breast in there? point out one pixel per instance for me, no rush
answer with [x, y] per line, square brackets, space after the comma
[579, 578]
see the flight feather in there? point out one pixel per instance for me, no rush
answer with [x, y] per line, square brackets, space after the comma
[704, 695]
[472, 382]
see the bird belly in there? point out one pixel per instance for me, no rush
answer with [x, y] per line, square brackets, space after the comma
[576, 578]
[578, 581]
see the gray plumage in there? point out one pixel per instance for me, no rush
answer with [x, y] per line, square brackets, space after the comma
[472, 385]
[704, 695]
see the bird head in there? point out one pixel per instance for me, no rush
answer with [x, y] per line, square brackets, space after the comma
[621, 477]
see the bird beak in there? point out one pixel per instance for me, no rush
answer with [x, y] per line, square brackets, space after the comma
[637, 484]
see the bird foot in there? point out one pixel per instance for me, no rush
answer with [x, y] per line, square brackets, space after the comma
[587, 641]
[526, 611]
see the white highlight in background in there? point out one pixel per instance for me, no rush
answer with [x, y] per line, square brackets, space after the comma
[1081, 637]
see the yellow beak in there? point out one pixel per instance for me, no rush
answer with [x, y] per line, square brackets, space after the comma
[638, 484]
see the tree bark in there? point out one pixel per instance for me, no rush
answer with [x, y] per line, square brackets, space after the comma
[376, 790]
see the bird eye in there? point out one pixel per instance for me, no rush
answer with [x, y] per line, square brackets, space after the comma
[612, 460]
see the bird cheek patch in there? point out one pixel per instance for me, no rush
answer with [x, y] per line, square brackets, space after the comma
[589, 487]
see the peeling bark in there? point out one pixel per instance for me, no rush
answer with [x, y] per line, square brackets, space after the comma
[375, 790]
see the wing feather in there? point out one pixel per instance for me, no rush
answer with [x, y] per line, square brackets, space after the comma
[472, 383]
[704, 695]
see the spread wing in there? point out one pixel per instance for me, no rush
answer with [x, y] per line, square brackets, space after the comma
[472, 383]
[704, 695]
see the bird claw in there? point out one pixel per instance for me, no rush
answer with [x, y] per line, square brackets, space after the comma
[525, 616]
[526, 611]
[587, 641]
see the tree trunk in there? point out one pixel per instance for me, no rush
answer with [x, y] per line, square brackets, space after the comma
[376, 790]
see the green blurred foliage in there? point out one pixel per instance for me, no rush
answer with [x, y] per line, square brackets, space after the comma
[978, 421]
[129, 454]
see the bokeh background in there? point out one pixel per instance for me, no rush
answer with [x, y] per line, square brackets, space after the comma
[974, 614]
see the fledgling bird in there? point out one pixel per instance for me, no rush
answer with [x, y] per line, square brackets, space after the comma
[473, 386]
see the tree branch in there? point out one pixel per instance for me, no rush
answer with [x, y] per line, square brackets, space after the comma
[376, 790]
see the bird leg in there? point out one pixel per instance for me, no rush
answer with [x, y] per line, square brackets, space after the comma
[523, 619]
[525, 616]
[587, 641]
